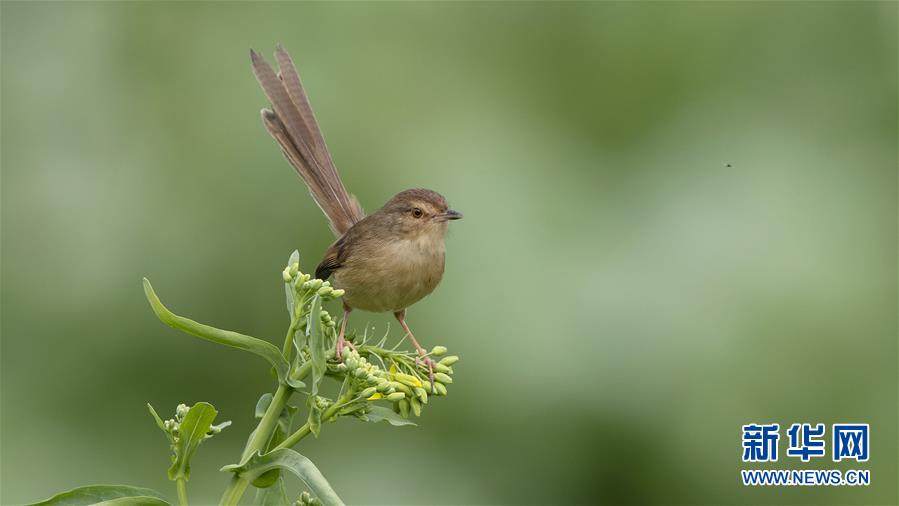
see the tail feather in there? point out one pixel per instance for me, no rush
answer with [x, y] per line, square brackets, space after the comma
[292, 124]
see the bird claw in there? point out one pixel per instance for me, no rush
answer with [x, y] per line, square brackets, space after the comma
[429, 363]
[338, 347]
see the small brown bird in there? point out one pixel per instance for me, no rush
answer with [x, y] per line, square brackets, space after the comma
[385, 261]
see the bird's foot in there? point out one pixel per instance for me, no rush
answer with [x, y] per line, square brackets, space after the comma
[429, 363]
[338, 347]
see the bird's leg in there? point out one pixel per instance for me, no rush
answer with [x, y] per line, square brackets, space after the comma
[401, 317]
[341, 340]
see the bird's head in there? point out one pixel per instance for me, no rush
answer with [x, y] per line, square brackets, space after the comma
[419, 211]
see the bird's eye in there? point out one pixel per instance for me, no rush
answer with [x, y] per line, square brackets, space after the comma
[417, 212]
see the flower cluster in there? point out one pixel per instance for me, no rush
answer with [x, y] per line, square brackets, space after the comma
[405, 382]
[302, 288]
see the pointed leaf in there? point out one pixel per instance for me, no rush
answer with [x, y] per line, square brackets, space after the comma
[291, 461]
[106, 495]
[379, 413]
[290, 287]
[295, 383]
[318, 359]
[315, 416]
[262, 348]
[262, 404]
[160, 423]
[316, 343]
[192, 432]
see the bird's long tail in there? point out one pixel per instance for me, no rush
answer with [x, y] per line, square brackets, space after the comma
[292, 124]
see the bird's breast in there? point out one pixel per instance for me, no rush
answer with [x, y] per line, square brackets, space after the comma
[390, 275]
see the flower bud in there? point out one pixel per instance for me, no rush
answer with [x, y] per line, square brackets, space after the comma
[325, 291]
[440, 387]
[407, 379]
[286, 275]
[383, 387]
[450, 360]
[402, 388]
[441, 368]
[337, 293]
[180, 411]
[368, 392]
[443, 378]
[416, 406]
[438, 350]
[404, 408]
[315, 284]
[294, 269]
[422, 395]
[395, 396]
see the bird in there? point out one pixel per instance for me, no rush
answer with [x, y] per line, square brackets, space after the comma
[385, 261]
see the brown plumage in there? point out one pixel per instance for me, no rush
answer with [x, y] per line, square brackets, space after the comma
[386, 261]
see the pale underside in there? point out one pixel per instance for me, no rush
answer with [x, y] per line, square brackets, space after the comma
[391, 275]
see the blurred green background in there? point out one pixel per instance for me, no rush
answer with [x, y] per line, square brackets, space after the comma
[680, 218]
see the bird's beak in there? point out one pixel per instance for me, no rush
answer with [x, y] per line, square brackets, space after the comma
[449, 215]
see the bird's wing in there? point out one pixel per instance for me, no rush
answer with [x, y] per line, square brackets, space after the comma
[292, 124]
[332, 260]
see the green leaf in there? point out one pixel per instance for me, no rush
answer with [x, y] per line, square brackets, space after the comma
[140, 500]
[379, 413]
[262, 348]
[160, 423]
[196, 424]
[315, 416]
[318, 355]
[119, 495]
[275, 495]
[288, 286]
[262, 404]
[291, 461]
[316, 343]
[294, 383]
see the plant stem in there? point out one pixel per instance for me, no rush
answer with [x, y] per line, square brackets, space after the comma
[263, 433]
[181, 485]
[234, 491]
[296, 436]
[266, 426]
[288, 340]
[305, 430]
[257, 443]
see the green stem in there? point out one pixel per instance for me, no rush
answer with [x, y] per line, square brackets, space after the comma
[266, 426]
[296, 436]
[263, 434]
[305, 430]
[181, 484]
[288, 341]
[234, 491]
[257, 443]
